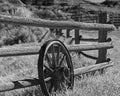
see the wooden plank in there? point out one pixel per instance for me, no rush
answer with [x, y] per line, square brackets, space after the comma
[91, 68]
[32, 50]
[7, 86]
[54, 24]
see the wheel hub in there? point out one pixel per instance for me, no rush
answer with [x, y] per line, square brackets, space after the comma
[60, 73]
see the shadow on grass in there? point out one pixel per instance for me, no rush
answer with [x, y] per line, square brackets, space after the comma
[18, 84]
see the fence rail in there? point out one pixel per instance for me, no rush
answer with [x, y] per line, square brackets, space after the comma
[15, 51]
[55, 24]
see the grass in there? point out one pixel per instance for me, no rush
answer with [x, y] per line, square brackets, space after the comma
[14, 68]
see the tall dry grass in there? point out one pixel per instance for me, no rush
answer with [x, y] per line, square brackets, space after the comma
[15, 34]
[15, 68]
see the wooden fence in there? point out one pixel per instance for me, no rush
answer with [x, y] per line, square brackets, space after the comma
[115, 19]
[102, 46]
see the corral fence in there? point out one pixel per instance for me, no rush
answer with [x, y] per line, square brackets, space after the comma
[115, 19]
[102, 45]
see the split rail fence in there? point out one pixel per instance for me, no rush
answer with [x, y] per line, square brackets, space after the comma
[102, 45]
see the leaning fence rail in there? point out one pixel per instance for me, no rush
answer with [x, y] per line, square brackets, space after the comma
[55, 24]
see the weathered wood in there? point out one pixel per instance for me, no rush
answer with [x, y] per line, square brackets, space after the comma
[102, 53]
[77, 36]
[102, 37]
[68, 33]
[85, 47]
[18, 50]
[54, 24]
[91, 68]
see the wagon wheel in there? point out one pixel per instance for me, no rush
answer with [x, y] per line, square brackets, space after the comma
[55, 69]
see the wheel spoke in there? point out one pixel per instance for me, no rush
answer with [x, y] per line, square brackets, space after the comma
[66, 79]
[48, 68]
[51, 86]
[53, 56]
[63, 86]
[56, 85]
[66, 76]
[47, 79]
[62, 59]
[58, 55]
[48, 59]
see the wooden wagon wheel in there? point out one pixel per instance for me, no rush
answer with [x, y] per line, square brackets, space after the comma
[55, 69]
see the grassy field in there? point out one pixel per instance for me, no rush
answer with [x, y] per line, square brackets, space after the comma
[108, 84]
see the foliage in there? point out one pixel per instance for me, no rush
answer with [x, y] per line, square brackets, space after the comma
[15, 34]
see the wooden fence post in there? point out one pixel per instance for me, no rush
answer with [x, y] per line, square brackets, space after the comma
[67, 33]
[59, 32]
[77, 37]
[102, 38]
